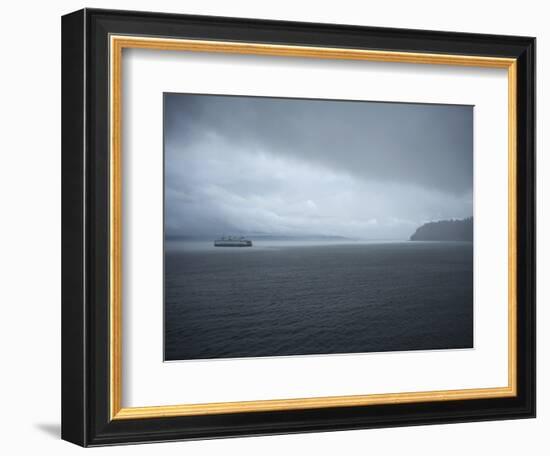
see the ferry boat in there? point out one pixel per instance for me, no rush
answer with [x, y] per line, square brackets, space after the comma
[231, 241]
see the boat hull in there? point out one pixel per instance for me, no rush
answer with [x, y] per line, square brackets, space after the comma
[232, 243]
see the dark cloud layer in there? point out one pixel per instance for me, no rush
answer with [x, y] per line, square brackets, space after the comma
[284, 161]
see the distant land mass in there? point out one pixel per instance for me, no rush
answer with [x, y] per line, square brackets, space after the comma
[261, 237]
[446, 230]
[305, 237]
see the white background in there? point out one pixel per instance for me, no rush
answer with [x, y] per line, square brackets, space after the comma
[148, 73]
[30, 229]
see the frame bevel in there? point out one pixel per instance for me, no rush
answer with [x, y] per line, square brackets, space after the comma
[98, 36]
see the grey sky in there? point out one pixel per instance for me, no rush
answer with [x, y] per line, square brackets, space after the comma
[245, 165]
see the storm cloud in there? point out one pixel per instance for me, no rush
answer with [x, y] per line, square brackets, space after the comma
[367, 170]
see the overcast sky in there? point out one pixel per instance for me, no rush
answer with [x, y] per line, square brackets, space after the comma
[245, 165]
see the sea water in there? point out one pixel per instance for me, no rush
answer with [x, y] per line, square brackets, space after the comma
[281, 298]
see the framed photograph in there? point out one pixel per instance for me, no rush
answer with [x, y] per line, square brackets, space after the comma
[278, 227]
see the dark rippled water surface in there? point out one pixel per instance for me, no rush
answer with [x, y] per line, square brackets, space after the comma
[296, 299]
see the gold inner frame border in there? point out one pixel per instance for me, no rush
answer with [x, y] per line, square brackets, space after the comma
[116, 46]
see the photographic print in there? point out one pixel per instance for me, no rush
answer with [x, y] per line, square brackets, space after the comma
[315, 227]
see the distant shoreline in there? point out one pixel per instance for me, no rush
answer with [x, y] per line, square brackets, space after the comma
[446, 230]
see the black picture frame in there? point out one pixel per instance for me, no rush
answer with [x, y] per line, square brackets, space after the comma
[86, 417]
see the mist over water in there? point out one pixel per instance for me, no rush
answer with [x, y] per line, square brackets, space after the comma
[174, 245]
